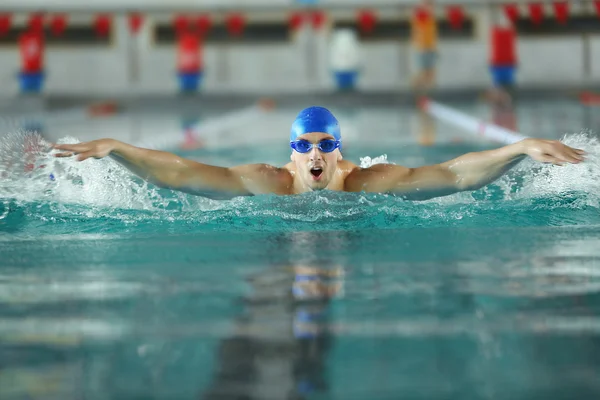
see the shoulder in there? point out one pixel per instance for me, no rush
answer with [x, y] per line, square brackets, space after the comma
[378, 169]
[360, 179]
[347, 167]
[264, 178]
[268, 169]
[282, 174]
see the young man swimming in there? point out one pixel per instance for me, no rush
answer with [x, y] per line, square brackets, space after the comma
[317, 163]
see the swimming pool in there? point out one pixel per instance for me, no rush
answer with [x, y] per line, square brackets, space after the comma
[111, 288]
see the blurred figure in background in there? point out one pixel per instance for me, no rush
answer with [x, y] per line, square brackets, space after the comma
[345, 58]
[424, 37]
[503, 66]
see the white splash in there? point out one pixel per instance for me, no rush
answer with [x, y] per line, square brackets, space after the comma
[366, 162]
[31, 172]
[547, 180]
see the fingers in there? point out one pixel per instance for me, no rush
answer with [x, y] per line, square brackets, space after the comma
[71, 149]
[76, 148]
[80, 157]
[62, 146]
[576, 154]
[557, 153]
[575, 157]
[548, 159]
[556, 158]
[579, 152]
[568, 156]
[85, 155]
[565, 153]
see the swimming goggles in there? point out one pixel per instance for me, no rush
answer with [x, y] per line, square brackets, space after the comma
[304, 146]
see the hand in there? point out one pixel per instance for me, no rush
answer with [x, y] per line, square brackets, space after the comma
[552, 151]
[96, 148]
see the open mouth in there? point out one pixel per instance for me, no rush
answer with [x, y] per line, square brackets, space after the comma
[316, 172]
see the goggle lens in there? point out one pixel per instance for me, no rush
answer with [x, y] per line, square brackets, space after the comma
[303, 146]
[328, 145]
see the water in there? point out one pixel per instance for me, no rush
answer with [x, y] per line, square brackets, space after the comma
[111, 288]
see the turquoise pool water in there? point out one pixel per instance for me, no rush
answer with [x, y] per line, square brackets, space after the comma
[112, 289]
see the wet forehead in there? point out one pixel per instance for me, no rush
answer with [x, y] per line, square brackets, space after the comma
[315, 136]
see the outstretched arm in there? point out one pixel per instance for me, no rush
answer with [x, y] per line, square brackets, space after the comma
[468, 172]
[171, 171]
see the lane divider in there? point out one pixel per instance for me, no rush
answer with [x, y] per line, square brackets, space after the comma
[468, 123]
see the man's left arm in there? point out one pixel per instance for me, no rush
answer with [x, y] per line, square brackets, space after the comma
[467, 172]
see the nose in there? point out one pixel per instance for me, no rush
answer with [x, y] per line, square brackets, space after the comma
[315, 154]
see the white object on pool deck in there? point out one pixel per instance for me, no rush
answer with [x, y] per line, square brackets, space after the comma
[344, 51]
[469, 123]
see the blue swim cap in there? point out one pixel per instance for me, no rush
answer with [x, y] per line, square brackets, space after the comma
[315, 119]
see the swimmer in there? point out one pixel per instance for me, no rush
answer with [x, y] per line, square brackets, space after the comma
[317, 164]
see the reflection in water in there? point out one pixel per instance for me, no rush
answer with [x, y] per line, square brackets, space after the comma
[281, 341]
[502, 108]
[426, 129]
[432, 313]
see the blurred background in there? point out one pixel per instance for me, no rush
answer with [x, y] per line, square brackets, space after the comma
[110, 56]
[66, 63]
[116, 48]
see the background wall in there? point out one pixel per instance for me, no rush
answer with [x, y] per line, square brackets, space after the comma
[136, 64]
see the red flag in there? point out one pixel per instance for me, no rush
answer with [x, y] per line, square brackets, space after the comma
[102, 25]
[367, 21]
[36, 22]
[295, 21]
[512, 12]
[4, 24]
[203, 24]
[455, 16]
[135, 22]
[236, 23]
[536, 12]
[561, 11]
[180, 24]
[318, 19]
[597, 4]
[58, 24]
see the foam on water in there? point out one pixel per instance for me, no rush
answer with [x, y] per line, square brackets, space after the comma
[551, 181]
[100, 195]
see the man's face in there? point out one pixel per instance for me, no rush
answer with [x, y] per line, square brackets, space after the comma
[316, 168]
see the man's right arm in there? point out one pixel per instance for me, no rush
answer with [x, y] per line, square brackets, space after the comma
[173, 172]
